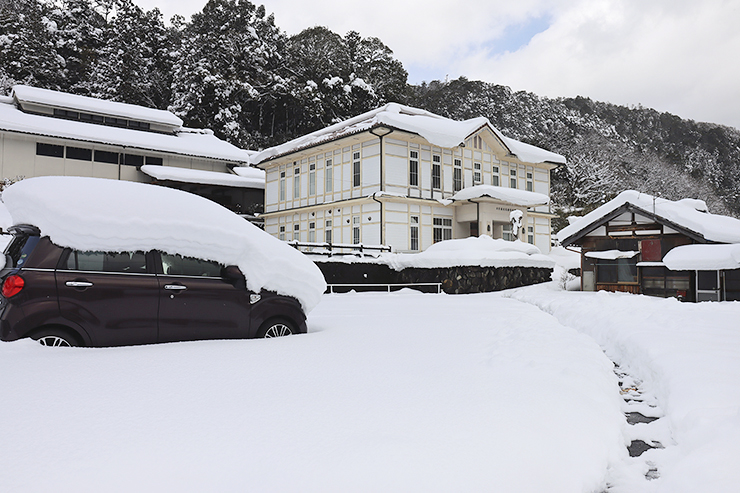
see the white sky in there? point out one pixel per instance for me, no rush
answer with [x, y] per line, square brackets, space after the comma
[679, 56]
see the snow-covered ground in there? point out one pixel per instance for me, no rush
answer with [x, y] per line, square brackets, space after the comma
[390, 392]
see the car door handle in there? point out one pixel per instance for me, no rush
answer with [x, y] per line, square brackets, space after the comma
[175, 287]
[78, 284]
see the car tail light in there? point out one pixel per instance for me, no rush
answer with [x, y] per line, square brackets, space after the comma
[13, 285]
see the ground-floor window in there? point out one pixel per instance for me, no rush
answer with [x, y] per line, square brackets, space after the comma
[442, 229]
[312, 232]
[621, 270]
[327, 231]
[414, 233]
[356, 230]
[506, 233]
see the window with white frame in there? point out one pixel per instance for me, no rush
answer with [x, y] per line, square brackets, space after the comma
[282, 233]
[513, 178]
[530, 234]
[296, 183]
[507, 233]
[457, 175]
[356, 169]
[530, 186]
[494, 177]
[442, 229]
[312, 179]
[327, 231]
[297, 232]
[282, 186]
[436, 172]
[414, 168]
[356, 230]
[329, 175]
[312, 232]
[414, 233]
[476, 173]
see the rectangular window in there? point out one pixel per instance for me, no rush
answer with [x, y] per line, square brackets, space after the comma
[414, 233]
[296, 183]
[457, 176]
[530, 235]
[312, 179]
[79, 153]
[356, 230]
[133, 159]
[507, 234]
[297, 232]
[312, 232]
[282, 233]
[414, 169]
[494, 178]
[327, 231]
[530, 186]
[436, 172]
[106, 157]
[282, 186]
[50, 150]
[154, 160]
[329, 175]
[476, 173]
[621, 270]
[356, 169]
[116, 122]
[513, 178]
[442, 229]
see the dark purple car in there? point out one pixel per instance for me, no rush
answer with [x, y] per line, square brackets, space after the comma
[64, 297]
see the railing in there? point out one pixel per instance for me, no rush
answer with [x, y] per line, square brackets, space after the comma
[388, 287]
[328, 248]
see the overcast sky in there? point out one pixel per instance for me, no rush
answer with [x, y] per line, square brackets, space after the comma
[679, 56]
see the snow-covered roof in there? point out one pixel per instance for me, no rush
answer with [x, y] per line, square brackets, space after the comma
[612, 254]
[703, 257]
[250, 172]
[689, 214]
[509, 195]
[185, 141]
[63, 100]
[85, 214]
[200, 176]
[437, 130]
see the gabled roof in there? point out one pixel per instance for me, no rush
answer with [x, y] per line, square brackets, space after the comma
[437, 130]
[690, 216]
[510, 195]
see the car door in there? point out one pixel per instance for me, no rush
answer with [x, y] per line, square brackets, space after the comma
[111, 295]
[196, 302]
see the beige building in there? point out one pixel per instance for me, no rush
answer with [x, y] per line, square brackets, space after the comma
[45, 132]
[406, 178]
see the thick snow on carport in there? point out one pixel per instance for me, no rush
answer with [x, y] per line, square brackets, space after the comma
[387, 392]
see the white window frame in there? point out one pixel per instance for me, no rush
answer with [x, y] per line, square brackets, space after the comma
[414, 234]
[327, 231]
[457, 176]
[477, 176]
[494, 176]
[329, 177]
[356, 170]
[436, 172]
[312, 179]
[442, 229]
[513, 176]
[297, 183]
[281, 196]
[414, 169]
[356, 230]
[296, 232]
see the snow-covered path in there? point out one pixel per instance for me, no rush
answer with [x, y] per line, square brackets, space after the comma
[388, 392]
[687, 357]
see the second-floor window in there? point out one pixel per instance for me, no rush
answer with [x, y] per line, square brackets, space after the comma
[312, 179]
[513, 178]
[436, 172]
[297, 232]
[282, 233]
[329, 174]
[312, 232]
[296, 183]
[476, 173]
[530, 185]
[414, 169]
[457, 175]
[282, 186]
[356, 169]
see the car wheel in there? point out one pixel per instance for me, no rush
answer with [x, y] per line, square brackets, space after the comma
[55, 338]
[276, 328]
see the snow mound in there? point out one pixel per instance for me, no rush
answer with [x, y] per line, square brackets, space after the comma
[482, 250]
[111, 215]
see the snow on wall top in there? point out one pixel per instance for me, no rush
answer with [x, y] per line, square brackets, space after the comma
[200, 176]
[688, 213]
[86, 214]
[63, 100]
[703, 257]
[437, 130]
[510, 195]
[189, 142]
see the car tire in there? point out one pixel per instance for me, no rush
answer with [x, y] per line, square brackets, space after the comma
[55, 337]
[276, 327]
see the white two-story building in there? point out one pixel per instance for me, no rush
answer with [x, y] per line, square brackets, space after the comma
[406, 178]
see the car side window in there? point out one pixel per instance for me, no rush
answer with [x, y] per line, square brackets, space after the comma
[177, 265]
[124, 262]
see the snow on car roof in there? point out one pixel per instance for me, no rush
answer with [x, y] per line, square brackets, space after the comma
[688, 213]
[510, 195]
[188, 175]
[436, 129]
[63, 100]
[110, 215]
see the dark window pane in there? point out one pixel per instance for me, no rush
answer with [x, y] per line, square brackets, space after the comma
[707, 279]
[106, 157]
[49, 150]
[626, 270]
[133, 159]
[176, 265]
[606, 271]
[79, 153]
[154, 160]
[126, 262]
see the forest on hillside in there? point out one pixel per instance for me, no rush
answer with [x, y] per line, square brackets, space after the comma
[232, 69]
